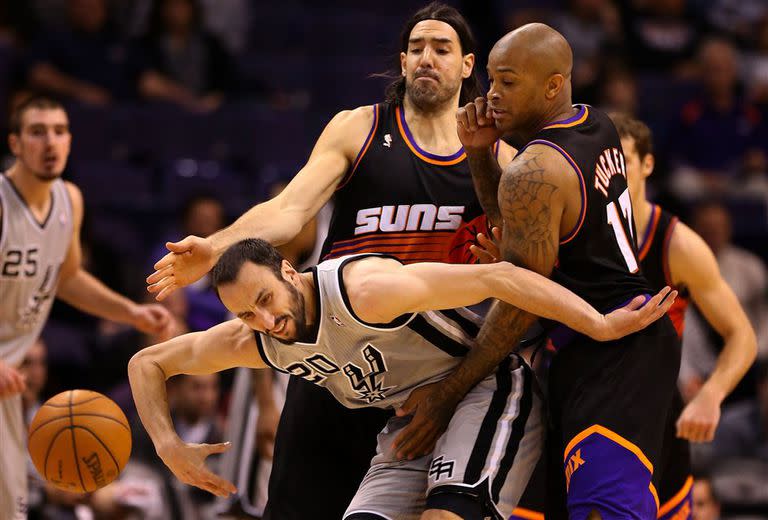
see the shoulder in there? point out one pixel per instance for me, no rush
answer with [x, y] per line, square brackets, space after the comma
[366, 282]
[76, 198]
[539, 164]
[358, 273]
[349, 128]
[690, 258]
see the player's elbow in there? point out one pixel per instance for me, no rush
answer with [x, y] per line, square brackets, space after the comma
[142, 365]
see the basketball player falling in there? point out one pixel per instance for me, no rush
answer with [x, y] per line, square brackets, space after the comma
[363, 326]
[40, 258]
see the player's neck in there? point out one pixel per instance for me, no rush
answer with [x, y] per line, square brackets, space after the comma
[434, 131]
[307, 289]
[642, 210]
[36, 193]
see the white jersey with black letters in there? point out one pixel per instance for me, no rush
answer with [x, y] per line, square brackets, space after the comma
[31, 254]
[364, 364]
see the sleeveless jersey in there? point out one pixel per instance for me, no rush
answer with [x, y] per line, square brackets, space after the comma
[365, 364]
[31, 255]
[400, 200]
[654, 260]
[598, 258]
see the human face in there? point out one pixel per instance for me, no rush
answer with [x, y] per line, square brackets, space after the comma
[266, 303]
[434, 66]
[515, 95]
[704, 505]
[637, 170]
[205, 218]
[43, 143]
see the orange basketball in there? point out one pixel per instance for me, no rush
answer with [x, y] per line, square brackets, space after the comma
[79, 440]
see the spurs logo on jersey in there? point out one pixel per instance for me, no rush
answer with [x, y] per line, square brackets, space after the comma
[369, 386]
[32, 312]
[369, 364]
[407, 217]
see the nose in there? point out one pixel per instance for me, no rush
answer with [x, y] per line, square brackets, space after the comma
[427, 57]
[265, 319]
[492, 94]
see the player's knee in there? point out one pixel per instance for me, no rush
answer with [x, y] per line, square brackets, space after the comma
[439, 514]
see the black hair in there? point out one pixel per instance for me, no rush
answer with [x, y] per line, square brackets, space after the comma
[470, 86]
[255, 250]
[40, 101]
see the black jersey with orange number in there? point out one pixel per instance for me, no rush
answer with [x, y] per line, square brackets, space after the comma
[404, 201]
[654, 260]
[598, 257]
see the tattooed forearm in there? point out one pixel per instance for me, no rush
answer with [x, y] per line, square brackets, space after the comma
[486, 173]
[530, 205]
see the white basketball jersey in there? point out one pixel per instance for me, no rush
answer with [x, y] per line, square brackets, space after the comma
[365, 364]
[31, 254]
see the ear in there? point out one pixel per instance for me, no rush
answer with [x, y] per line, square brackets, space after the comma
[554, 86]
[649, 162]
[289, 273]
[14, 144]
[468, 65]
[403, 56]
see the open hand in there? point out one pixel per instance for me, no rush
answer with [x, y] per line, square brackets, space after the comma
[634, 316]
[188, 261]
[187, 462]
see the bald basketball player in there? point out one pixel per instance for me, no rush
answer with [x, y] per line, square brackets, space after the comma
[566, 213]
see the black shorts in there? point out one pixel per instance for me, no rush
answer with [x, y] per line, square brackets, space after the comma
[609, 405]
[676, 481]
[322, 452]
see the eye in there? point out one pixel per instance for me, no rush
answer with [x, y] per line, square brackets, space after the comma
[443, 51]
[246, 316]
[416, 50]
[266, 299]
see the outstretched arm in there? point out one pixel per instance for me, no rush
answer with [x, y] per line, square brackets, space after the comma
[693, 265]
[380, 290]
[277, 220]
[224, 346]
[84, 291]
[532, 196]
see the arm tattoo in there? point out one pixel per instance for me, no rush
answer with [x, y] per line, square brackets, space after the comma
[530, 240]
[486, 173]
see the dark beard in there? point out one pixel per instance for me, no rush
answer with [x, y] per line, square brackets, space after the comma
[303, 333]
[427, 99]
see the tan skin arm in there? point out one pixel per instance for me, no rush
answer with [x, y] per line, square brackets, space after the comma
[228, 345]
[82, 290]
[693, 265]
[277, 220]
[538, 203]
[382, 289]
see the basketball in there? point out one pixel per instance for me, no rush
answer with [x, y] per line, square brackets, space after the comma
[79, 441]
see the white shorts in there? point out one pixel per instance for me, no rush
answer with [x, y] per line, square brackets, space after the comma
[13, 460]
[487, 453]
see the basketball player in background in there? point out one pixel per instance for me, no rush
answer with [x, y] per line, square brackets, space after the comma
[401, 184]
[40, 258]
[364, 327]
[564, 200]
[671, 253]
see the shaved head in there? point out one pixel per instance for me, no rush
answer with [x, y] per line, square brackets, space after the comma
[544, 50]
[530, 76]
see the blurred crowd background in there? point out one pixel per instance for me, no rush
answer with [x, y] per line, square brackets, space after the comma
[184, 113]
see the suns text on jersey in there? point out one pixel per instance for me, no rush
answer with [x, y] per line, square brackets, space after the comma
[409, 217]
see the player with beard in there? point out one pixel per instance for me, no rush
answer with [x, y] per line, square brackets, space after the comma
[365, 328]
[40, 258]
[401, 185]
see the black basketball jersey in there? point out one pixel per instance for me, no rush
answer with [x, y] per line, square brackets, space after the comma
[654, 260]
[404, 201]
[598, 258]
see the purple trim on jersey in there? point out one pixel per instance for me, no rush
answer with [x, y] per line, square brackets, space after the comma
[562, 335]
[422, 151]
[602, 475]
[368, 138]
[648, 229]
[582, 186]
[571, 119]
[681, 511]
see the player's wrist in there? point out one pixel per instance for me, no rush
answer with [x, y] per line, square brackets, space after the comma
[714, 391]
